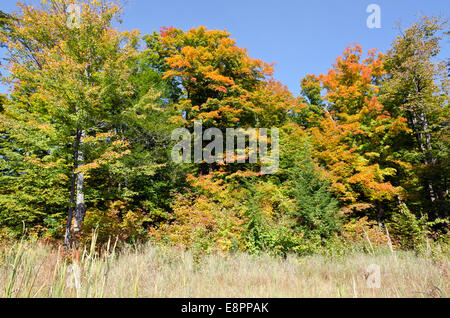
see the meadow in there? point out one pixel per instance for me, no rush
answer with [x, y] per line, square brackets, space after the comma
[39, 270]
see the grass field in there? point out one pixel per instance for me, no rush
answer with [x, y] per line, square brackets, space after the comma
[37, 270]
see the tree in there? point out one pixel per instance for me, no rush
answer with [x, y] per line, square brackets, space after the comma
[355, 140]
[313, 105]
[71, 80]
[213, 73]
[4, 26]
[416, 87]
[317, 209]
[2, 101]
[212, 79]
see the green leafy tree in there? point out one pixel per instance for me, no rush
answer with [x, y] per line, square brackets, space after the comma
[72, 88]
[316, 208]
[416, 87]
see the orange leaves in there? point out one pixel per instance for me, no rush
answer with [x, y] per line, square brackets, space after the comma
[219, 88]
[217, 76]
[209, 183]
[209, 115]
[374, 106]
[177, 62]
[352, 81]
[352, 173]
[348, 142]
[268, 69]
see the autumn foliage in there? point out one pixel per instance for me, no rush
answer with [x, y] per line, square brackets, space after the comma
[85, 136]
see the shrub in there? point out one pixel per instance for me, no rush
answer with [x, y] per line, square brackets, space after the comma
[406, 229]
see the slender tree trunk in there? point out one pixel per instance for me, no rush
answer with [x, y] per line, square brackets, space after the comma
[380, 215]
[80, 208]
[420, 129]
[68, 235]
[427, 135]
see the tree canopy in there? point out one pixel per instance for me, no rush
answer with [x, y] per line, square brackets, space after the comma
[85, 137]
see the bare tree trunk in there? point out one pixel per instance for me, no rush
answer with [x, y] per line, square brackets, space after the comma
[80, 208]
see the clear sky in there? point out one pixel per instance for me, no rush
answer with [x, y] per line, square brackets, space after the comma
[300, 36]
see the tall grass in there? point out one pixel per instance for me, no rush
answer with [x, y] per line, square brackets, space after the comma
[37, 270]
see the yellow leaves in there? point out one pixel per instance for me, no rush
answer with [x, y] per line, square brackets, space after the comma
[351, 142]
[244, 174]
[400, 124]
[372, 155]
[362, 231]
[226, 42]
[199, 219]
[42, 127]
[45, 127]
[268, 69]
[98, 137]
[370, 178]
[63, 177]
[210, 115]
[115, 150]
[40, 163]
[209, 183]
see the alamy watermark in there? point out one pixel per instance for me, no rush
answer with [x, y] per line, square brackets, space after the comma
[374, 19]
[237, 150]
[373, 276]
[74, 18]
[73, 280]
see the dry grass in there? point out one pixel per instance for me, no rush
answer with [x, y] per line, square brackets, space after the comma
[36, 270]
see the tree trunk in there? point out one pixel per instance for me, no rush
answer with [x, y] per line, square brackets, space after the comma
[420, 129]
[80, 208]
[380, 215]
[68, 234]
[437, 187]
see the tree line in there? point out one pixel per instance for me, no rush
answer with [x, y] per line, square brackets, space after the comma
[85, 138]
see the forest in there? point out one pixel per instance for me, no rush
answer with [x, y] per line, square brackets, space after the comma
[86, 140]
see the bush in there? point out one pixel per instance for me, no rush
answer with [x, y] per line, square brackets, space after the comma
[406, 229]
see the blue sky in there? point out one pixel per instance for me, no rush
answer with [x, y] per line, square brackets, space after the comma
[300, 36]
